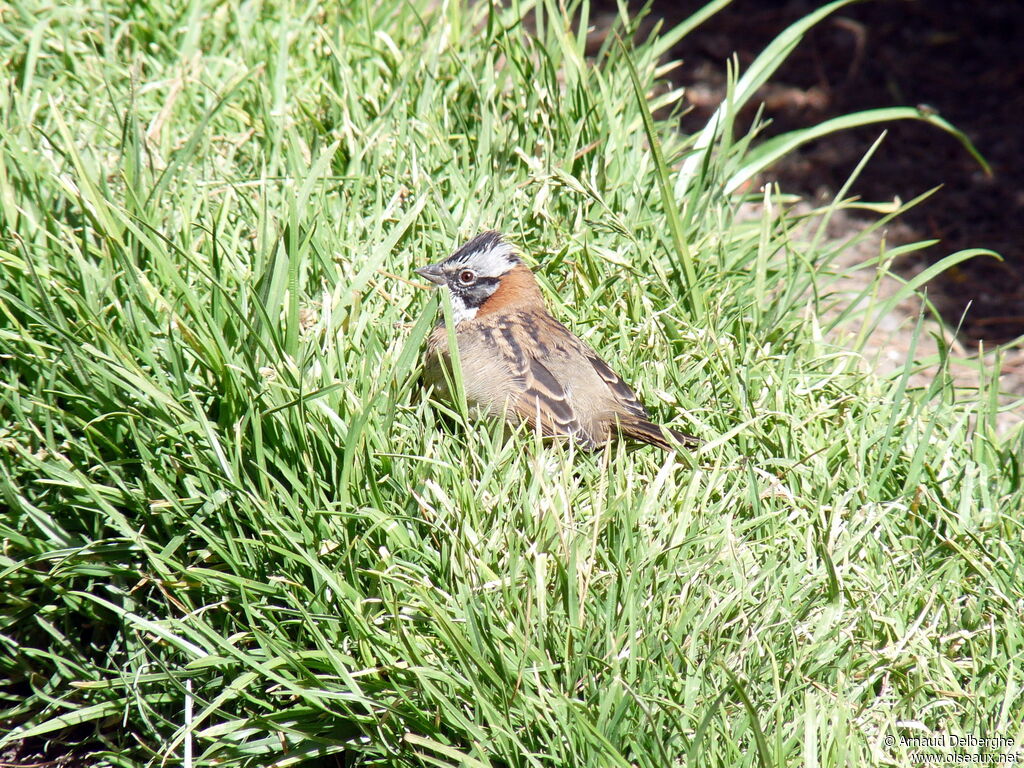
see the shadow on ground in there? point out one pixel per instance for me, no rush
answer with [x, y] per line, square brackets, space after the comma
[961, 58]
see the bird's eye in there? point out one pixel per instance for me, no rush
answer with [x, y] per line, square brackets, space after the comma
[467, 277]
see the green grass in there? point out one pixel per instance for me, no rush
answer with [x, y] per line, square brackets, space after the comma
[233, 529]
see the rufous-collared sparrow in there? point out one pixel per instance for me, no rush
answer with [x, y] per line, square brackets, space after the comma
[519, 362]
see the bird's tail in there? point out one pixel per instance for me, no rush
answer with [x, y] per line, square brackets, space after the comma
[654, 434]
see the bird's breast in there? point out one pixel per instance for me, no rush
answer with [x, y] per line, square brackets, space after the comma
[488, 374]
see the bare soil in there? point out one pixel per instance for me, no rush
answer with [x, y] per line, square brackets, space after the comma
[962, 59]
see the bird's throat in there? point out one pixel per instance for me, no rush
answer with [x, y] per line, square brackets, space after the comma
[460, 310]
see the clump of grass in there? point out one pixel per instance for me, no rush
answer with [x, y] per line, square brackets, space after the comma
[232, 529]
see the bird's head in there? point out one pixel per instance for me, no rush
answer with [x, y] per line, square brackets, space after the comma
[484, 275]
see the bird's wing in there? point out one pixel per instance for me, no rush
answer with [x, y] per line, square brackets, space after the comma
[620, 403]
[543, 399]
[616, 393]
[537, 395]
[583, 394]
[620, 389]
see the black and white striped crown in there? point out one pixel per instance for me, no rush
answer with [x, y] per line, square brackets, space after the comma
[488, 253]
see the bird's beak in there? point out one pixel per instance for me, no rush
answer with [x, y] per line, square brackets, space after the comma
[433, 273]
